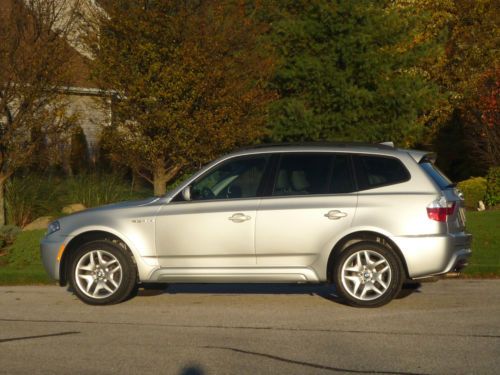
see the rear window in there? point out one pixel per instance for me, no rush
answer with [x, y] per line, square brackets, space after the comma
[376, 171]
[433, 172]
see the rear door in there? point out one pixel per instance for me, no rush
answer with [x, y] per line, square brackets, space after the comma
[312, 200]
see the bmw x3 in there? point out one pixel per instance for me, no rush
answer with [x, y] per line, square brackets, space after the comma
[362, 217]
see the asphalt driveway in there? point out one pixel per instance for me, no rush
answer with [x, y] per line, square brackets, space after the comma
[448, 327]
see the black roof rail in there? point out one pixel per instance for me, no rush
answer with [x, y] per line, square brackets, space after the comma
[381, 146]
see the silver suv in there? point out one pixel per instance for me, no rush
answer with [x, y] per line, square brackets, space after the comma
[363, 217]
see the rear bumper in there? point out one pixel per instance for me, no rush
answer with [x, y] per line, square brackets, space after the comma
[435, 255]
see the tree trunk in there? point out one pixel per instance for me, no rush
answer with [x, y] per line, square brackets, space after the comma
[159, 180]
[161, 176]
[2, 202]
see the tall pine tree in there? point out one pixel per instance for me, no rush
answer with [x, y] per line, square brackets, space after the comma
[349, 72]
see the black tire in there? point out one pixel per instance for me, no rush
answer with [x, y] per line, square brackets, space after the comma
[108, 284]
[363, 284]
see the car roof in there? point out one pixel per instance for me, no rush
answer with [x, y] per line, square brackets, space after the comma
[356, 147]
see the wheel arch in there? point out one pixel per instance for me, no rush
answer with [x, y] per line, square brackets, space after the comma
[79, 240]
[363, 236]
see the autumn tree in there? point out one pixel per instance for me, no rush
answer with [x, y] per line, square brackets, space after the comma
[34, 60]
[465, 73]
[482, 115]
[190, 81]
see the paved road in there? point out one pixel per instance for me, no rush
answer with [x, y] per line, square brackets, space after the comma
[448, 327]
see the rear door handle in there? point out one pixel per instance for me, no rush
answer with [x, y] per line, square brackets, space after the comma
[239, 217]
[335, 214]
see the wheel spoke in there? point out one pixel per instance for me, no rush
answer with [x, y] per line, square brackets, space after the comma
[91, 259]
[381, 282]
[113, 282]
[106, 286]
[355, 268]
[112, 261]
[357, 284]
[367, 258]
[88, 279]
[359, 263]
[363, 292]
[117, 268]
[375, 289]
[97, 289]
[87, 267]
[101, 260]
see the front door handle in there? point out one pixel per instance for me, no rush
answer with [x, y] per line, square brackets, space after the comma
[335, 214]
[239, 218]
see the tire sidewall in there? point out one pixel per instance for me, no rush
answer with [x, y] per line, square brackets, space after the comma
[129, 273]
[396, 276]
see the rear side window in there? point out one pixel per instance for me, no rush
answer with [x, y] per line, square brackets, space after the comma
[433, 172]
[309, 174]
[375, 171]
[302, 174]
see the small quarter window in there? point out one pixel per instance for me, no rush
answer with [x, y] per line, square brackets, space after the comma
[375, 171]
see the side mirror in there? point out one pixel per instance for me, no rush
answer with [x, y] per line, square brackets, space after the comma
[186, 193]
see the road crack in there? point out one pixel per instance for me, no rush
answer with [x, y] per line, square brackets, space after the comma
[261, 328]
[38, 336]
[309, 364]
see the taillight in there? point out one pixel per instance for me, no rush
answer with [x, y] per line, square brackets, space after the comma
[440, 209]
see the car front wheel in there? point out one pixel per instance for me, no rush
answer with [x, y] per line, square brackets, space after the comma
[368, 275]
[102, 273]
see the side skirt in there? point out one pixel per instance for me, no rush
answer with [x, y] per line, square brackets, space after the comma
[235, 275]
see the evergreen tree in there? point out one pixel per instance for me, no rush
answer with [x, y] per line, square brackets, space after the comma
[349, 72]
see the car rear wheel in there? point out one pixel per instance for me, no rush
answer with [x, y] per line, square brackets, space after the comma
[102, 273]
[368, 275]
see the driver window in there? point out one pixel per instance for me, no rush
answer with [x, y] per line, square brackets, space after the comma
[238, 178]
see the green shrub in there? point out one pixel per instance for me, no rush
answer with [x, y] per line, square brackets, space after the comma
[474, 190]
[98, 189]
[492, 197]
[31, 196]
[25, 251]
[8, 234]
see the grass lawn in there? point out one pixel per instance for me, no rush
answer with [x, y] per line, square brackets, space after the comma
[485, 228]
[22, 264]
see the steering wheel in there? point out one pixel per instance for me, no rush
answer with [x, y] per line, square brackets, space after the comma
[206, 193]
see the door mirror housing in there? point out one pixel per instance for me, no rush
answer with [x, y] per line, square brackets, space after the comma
[186, 193]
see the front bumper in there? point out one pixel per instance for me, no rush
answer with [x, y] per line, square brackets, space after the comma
[50, 248]
[436, 254]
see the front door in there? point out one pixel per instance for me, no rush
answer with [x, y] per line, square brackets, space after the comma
[216, 228]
